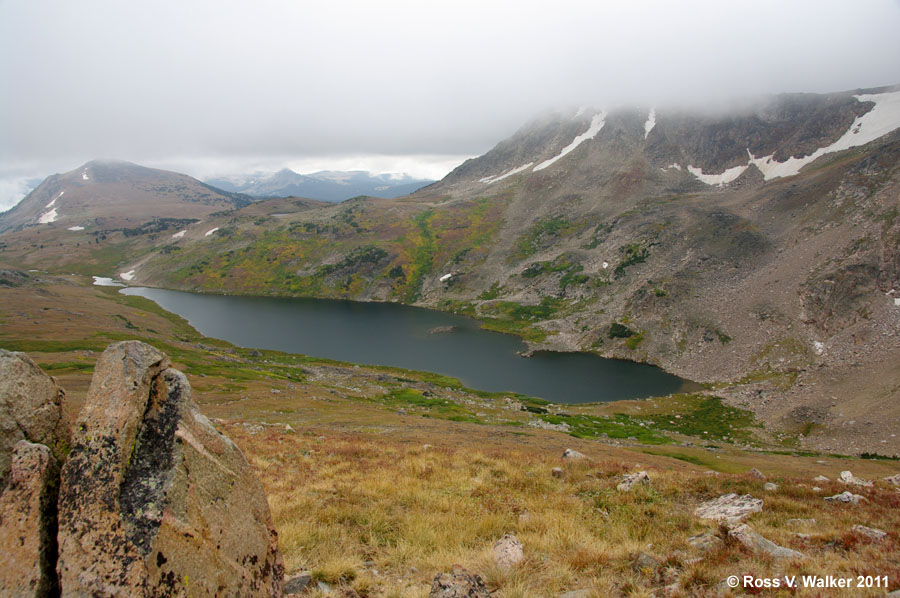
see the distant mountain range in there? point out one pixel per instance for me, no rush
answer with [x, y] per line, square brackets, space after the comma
[327, 185]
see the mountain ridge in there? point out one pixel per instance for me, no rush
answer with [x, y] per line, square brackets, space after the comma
[636, 243]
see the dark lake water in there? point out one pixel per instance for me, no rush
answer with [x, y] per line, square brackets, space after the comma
[399, 335]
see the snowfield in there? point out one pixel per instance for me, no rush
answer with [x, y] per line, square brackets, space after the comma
[596, 124]
[494, 179]
[882, 119]
[179, 234]
[75, 228]
[211, 231]
[718, 179]
[651, 122]
[48, 217]
[127, 275]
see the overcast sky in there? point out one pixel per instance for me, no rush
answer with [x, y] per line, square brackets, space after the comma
[212, 87]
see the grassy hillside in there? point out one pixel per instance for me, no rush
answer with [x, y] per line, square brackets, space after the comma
[380, 478]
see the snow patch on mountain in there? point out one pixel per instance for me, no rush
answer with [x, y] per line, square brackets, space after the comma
[596, 124]
[50, 205]
[48, 217]
[494, 179]
[127, 275]
[651, 122]
[718, 179]
[211, 231]
[179, 234]
[75, 228]
[882, 119]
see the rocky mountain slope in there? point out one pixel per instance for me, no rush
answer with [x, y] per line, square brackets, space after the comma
[756, 249]
[333, 186]
[105, 193]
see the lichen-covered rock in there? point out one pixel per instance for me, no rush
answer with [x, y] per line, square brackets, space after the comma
[729, 507]
[30, 409]
[153, 500]
[458, 584]
[28, 523]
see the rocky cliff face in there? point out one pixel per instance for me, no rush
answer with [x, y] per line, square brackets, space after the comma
[152, 500]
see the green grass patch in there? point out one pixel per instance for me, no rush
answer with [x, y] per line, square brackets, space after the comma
[708, 418]
[618, 426]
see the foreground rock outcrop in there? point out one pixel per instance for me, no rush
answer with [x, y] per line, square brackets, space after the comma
[152, 500]
[33, 437]
[28, 523]
[30, 409]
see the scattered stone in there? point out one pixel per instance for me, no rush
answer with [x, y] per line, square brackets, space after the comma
[846, 497]
[323, 587]
[706, 542]
[30, 409]
[426, 447]
[630, 480]
[573, 454]
[894, 479]
[442, 329]
[508, 552]
[729, 507]
[758, 544]
[848, 478]
[816, 489]
[757, 474]
[821, 478]
[770, 487]
[458, 584]
[644, 562]
[801, 522]
[28, 523]
[870, 532]
[152, 497]
[556, 472]
[576, 594]
[524, 516]
[297, 583]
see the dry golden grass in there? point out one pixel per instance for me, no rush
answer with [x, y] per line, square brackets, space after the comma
[384, 516]
[358, 500]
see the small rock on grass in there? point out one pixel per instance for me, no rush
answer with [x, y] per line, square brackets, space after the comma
[729, 507]
[757, 474]
[459, 583]
[508, 551]
[706, 542]
[869, 532]
[770, 487]
[848, 478]
[630, 480]
[557, 472]
[847, 498]
[573, 454]
[758, 544]
[297, 583]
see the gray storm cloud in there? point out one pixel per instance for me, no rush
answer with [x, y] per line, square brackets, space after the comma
[286, 82]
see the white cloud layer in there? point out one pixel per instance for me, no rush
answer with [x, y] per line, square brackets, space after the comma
[308, 82]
